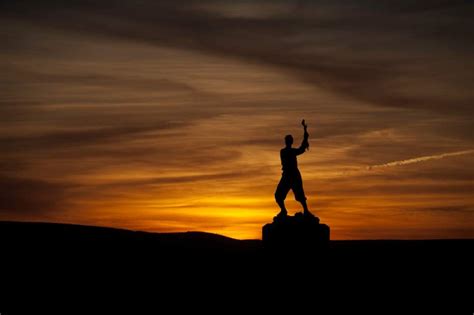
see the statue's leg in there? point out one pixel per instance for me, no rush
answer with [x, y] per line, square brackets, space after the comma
[305, 207]
[281, 192]
[299, 193]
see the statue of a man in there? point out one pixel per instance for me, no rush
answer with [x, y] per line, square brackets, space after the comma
[291, 177]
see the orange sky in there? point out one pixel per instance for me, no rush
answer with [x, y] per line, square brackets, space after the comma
[181, 129]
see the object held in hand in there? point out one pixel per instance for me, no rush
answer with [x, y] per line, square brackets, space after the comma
[304, 124]
[306, 135]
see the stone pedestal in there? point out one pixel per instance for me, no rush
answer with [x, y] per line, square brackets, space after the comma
[295, 232]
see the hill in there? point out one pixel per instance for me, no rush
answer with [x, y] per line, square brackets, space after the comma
[69, 257]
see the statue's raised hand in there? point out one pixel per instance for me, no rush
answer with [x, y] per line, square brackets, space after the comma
[304, 124]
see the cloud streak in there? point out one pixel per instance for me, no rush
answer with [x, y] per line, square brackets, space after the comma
[369, 50]
[420, 159]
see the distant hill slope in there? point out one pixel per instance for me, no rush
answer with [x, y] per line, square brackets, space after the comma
[13, 233]
[56, 234]
[46, 230]
[30, 239]
[45, 260]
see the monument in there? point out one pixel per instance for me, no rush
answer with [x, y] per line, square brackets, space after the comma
[303, 230]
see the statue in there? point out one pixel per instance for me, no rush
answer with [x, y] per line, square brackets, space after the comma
[291, 176]
[301, 233]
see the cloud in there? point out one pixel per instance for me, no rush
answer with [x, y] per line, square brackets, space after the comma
[420, 159]
[372, 51]
[80, 138]
[24, 198]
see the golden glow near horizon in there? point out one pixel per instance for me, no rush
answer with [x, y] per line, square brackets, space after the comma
[166, 134]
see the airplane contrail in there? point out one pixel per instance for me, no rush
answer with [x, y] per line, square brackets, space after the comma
[420, 159]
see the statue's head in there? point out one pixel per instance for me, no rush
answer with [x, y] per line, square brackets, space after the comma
[288, 140]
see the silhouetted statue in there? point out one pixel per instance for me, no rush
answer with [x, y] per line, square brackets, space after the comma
[291, 177]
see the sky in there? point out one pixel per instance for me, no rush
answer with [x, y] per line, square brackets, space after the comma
[168, 116]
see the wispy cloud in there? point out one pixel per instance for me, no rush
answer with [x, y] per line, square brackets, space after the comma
[420, 159]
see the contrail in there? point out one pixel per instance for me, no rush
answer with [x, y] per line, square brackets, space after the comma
[420, 159]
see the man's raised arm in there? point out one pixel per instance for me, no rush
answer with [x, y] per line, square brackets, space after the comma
[304, 144]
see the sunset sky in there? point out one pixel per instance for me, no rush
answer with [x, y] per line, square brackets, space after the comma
[169, 116]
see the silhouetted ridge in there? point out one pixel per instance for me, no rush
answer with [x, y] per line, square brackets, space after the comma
[46, 260]
[31, 234]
